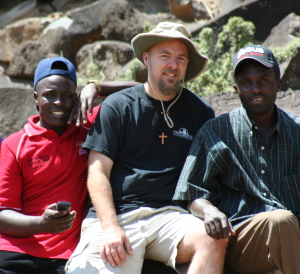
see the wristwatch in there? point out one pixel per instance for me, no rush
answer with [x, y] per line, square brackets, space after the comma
[97, 85]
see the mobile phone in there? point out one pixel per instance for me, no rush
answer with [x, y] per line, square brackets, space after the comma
[64, 206]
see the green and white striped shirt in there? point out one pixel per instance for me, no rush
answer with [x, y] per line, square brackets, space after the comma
[242, 173]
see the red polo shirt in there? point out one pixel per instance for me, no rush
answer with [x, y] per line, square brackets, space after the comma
[38, 168]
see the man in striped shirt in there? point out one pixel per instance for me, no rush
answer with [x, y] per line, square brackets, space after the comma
[242, 175]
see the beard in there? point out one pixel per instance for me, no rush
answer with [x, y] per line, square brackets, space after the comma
[169, 88]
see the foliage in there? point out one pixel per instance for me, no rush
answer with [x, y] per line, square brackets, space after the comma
[284, 54]
[148, 26]
[236, 34]
[92, 72]
[130, 71]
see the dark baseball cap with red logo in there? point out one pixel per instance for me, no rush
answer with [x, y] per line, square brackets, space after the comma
[258, 53]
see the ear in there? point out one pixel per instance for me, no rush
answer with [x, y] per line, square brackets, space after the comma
[145, 58]
[235, 88]
[279, 84]
[35, 95]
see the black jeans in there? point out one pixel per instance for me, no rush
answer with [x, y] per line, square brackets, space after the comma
[19, 263]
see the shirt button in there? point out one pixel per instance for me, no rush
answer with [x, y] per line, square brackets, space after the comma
[263, 172]
[262, 148]
[265, 194]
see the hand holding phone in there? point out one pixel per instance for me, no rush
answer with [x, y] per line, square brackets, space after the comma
[64, 206]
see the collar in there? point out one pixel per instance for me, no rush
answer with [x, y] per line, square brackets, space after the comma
[252, 125]
[32, 129]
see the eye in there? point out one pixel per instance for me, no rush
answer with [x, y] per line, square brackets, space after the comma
[182, 59]
[264, 80]
[68, 96]
[245, 83]
[48, 95]
[164, 56]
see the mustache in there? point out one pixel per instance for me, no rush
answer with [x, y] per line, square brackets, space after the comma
[254, 96]
[168, 70]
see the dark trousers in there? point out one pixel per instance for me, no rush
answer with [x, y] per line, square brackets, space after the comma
[19, 263]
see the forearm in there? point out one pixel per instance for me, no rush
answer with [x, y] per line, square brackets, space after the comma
[100, 189]
[198, 207]
[108, 88]
[17, 224]
[101, 196]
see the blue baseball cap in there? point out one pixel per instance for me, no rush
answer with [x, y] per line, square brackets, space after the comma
[47, 67]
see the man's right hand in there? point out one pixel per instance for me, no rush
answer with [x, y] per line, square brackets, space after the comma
[114, 243]
[216, 223]
[53, 221]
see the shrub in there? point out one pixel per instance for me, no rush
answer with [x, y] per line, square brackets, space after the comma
[220, 50]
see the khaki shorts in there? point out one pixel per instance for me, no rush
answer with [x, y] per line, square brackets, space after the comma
[153, 233]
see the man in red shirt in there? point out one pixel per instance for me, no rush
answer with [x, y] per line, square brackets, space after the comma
[40, 165]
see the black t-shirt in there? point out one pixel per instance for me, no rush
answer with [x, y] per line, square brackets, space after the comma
[127, 130]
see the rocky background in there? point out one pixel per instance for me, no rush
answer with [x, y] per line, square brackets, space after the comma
[86, 31]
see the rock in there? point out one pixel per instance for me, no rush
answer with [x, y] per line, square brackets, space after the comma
[26, 59]
[12, 36]
[17, 105]
[188, 10]
[265, 15]
[290, 77]
[124, 22]
[150, 7]
[285, 32]
[136, 70]
[25, 9]
[281, 35]
[55, 37]
[109, 56]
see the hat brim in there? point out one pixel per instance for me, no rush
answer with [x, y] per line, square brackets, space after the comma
[197, 64]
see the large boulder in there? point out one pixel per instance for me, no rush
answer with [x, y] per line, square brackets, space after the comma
[282, 35]
[13, 35]
[109, 56]
[26, 58]
[17, 105]
[100, 20]
[290, 76]
[189, 10]
[23, 10]
[285, 32]
[265, 15]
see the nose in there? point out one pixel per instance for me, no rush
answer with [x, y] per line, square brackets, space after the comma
[173, 63]
[256, 87]
[58, 100]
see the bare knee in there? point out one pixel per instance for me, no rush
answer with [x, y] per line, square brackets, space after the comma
[199, 242]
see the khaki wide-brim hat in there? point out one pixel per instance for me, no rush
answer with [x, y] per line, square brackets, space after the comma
[167, 31]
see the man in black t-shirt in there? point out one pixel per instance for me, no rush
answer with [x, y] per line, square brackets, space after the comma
[138, 146]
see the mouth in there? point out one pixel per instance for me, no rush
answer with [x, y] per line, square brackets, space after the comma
[257, 100]
[57, 113]
[171, 74]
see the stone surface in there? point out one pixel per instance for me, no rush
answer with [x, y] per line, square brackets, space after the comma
[13, 35]
[189, 10]
[285, 32]
[265, 15]
[109, 56]
[26, 58]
